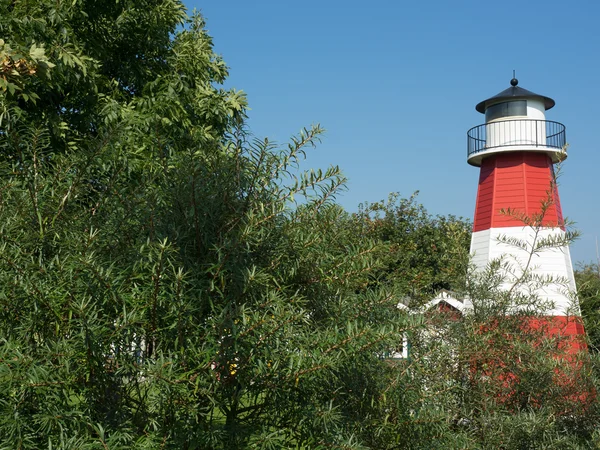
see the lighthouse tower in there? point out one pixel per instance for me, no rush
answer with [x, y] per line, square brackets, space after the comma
[518, 214]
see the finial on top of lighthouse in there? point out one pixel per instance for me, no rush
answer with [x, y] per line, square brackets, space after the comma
[514, 80]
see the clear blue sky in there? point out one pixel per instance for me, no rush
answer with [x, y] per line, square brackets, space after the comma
[395, 83]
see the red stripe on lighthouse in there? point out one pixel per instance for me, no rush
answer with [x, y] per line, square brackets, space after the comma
[519, 181]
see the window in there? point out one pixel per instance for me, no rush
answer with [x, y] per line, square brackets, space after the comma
[506, 109]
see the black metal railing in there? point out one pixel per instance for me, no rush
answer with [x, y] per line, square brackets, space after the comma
[512, 133]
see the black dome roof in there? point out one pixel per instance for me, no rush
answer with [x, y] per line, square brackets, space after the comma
[514, 92]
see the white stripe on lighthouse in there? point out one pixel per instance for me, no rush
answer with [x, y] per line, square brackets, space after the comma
[550, 263]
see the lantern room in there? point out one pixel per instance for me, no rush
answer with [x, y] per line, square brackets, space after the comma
[515, 120]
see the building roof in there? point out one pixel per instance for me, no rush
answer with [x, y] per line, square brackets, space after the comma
[512, 93]
[447, 298]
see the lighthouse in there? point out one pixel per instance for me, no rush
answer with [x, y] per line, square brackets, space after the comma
[518, 219]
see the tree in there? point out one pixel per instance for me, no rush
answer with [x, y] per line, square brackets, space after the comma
[158, 284]
[587, 278]
[100, 104]
[424, 253]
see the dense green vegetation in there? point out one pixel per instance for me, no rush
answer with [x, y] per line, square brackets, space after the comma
[587, 278]
[167, 280]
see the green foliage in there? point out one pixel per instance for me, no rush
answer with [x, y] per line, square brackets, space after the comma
[587, 278]
[424, 253]
[159, 285]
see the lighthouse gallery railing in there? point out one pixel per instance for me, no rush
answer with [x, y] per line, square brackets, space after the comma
[508, 133]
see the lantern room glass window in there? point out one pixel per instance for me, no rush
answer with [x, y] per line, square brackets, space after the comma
[506, 109]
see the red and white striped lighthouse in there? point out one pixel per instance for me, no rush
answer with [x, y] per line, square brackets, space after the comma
[517, 207]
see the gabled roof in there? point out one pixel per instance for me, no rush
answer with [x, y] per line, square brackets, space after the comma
[445, 297]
